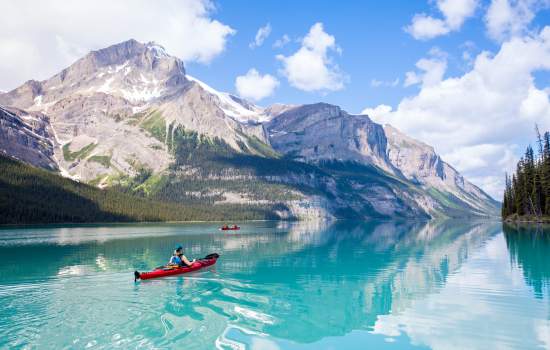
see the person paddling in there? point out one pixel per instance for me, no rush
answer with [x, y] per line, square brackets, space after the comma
[178, 259]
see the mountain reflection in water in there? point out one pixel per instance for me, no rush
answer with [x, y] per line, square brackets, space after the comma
[281, 285]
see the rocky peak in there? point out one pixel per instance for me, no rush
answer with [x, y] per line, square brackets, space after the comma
[234, 107]
[325, 132]
[131, 54]
[278, 108]
[23, 95]
[210, 113]
[139, 73]
[303, 116]
[117, 53]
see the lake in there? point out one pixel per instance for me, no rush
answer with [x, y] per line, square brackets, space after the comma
[278, 285]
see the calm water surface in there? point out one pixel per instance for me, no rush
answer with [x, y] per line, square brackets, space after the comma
[344, 285]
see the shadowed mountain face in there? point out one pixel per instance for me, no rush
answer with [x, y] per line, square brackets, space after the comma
[28, 137]
[130, 112]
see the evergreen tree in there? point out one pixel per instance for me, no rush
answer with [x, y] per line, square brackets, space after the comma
[545, 171]
[527, 192]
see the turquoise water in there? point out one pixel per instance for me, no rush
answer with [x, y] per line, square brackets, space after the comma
[344, 285]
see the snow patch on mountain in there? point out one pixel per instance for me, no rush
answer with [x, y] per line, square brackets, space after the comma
[106, 87]
[236, 108]
[38, 100]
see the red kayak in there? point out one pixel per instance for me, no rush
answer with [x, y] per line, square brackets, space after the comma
[230, 228]
[163, 271]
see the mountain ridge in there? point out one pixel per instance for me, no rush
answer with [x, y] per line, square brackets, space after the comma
[131, 109]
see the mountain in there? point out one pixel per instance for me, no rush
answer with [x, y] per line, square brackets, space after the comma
[322, 132]
[420, 164]
[28, 137]
[317, 132]
[30, 195]
[129, 117]
[116, 104]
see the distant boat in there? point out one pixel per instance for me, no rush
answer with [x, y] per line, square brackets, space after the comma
[230, 228]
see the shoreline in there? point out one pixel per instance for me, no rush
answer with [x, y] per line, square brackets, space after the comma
[122, 223]
[515, 219]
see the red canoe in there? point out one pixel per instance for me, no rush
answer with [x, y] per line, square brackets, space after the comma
[230, 228]
[163, 271]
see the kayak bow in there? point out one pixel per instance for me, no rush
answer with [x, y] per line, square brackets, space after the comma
[163, 271]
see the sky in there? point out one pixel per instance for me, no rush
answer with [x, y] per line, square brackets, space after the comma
[469, 77]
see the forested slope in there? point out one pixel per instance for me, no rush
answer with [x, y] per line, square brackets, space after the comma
[31, 195]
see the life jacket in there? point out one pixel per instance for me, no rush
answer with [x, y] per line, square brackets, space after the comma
[176, 260]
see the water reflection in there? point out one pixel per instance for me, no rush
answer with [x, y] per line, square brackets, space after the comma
[287, 285]
[482, 304]
[529, 247]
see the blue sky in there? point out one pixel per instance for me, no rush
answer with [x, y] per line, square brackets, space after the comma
[469, 77]
[373, 43]
[371, 35]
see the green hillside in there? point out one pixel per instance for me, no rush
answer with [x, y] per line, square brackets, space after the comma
[195, 187]
[31, 195]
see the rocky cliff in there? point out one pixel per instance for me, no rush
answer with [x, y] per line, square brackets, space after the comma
[27, 137]
[321, 131]
[420, 164]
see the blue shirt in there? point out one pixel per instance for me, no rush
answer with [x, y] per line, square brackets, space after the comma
[175, 260]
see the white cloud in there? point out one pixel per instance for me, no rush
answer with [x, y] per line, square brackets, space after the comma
[379, 83]
[261, 35]
[311, 68]
[455, 12]
[469, 158]
[380, 112]
[506, 18]
[38, 39]
[255, 86]
[424, 27]
[431, 69]
[282, 41]
[411, 78]
[481, 120]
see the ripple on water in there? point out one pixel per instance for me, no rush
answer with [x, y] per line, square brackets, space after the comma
[345, 287]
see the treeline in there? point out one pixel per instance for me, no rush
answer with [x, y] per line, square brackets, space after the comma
[527, 192]
[30, 195]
